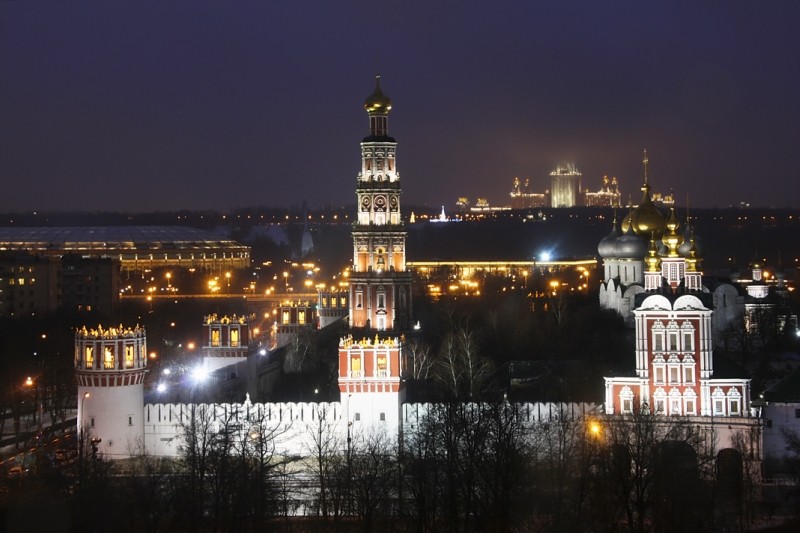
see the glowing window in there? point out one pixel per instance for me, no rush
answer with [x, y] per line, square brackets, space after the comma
[301, 317]
[215, 337]
[234, 337]
[108, 358]
[355, 364]
[285, 317]
[129, 357]
[89, 357]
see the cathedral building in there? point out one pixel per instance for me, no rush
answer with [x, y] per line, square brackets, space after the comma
[674, 354]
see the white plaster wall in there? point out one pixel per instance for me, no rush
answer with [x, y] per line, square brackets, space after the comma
[117, 414]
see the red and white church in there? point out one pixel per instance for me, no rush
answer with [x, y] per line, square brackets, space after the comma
[675, 372]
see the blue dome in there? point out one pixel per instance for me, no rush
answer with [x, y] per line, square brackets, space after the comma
[630, 246]
[608, 244]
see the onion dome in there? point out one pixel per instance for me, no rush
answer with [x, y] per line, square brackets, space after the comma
[378, 103]
[688, 237]
[756, 264]
[630, 246]
[646, 218]
[693, 258]
[672, 238]
[653, 260]
[607, 244]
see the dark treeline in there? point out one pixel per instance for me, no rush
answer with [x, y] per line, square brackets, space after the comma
[458, 467]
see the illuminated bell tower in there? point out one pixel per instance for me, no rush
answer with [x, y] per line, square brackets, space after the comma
[380, 283]
[110, 365]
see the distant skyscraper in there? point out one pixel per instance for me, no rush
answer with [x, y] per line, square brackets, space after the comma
[380, 283]
[607, 196]
[565, 186]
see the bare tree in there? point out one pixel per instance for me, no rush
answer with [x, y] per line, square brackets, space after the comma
[651, 466]
[326, 451]
[374, 480]
[459, 367]
[419, 360]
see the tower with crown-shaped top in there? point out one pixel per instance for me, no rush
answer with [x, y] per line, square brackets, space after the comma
[110, 365]
[380, 283]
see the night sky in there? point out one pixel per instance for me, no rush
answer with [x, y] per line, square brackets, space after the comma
[162, 105]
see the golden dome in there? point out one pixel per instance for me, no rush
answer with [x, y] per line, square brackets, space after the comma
[671, 238]
[646, 219]
[378, 103]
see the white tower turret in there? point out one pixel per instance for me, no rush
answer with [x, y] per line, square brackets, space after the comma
[110, 368]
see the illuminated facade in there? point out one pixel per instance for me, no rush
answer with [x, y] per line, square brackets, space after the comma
[522, 197]
[226, 340]
[565, 186]
[607, 196]
[137, 248]
[380, 283]
[674, 354]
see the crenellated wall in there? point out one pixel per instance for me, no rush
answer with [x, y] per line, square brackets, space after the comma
[291, 426]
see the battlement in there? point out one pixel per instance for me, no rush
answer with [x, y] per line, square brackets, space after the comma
[110, 333]
[348, 342]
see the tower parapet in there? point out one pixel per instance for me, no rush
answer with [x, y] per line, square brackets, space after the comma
[110, 365]
[227, 340]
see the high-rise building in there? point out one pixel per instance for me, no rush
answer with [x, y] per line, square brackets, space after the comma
[607, 196]
[380, 283]
[565, 186]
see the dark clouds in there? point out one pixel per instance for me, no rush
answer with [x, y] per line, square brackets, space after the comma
[166, 105]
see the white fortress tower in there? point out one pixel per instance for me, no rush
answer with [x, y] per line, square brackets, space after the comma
[110, 368]
[369, 383]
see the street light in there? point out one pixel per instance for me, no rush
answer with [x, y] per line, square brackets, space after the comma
[83, 412]
[29, 382]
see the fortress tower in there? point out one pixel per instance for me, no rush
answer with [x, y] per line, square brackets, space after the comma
[380, 283]
[110, 368]
[227, 341]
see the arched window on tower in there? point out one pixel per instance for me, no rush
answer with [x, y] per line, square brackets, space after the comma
[89, 357]
[382, 366]
[129, 352]
[355, 366]
[108, 358]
